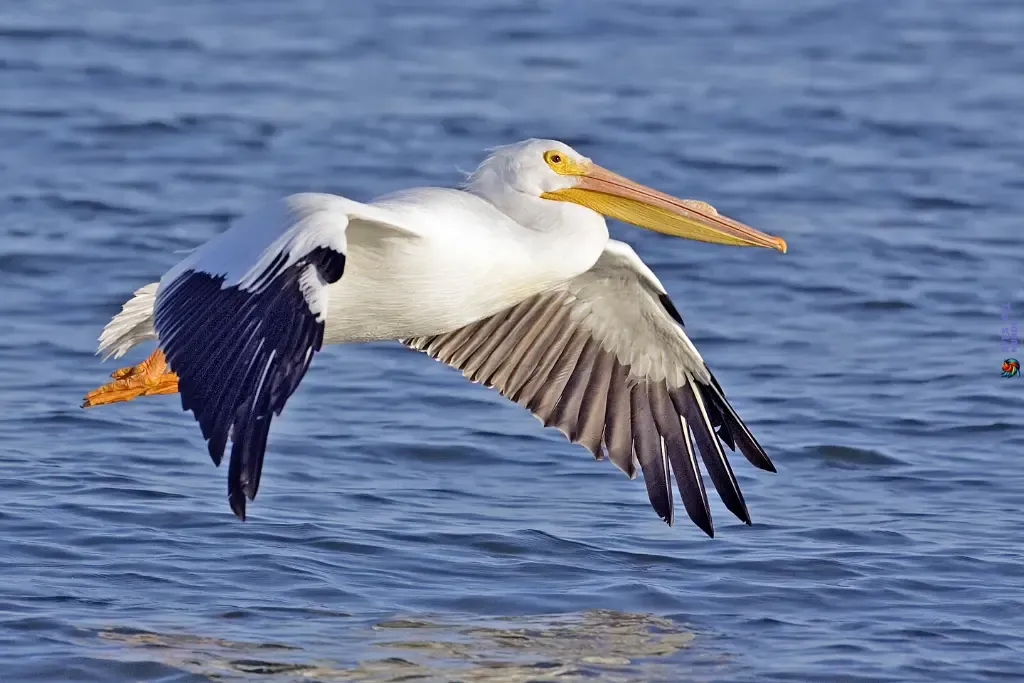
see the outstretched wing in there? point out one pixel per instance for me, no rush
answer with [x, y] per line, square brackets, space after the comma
[605, 360]
[241, 317]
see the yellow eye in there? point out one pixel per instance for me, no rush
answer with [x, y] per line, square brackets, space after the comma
[558, 161]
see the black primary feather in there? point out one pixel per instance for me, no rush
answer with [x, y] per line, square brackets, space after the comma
[240, 354]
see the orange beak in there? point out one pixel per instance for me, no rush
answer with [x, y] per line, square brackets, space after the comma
[617, 197]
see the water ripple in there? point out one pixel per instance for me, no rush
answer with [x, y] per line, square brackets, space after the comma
[413, 526]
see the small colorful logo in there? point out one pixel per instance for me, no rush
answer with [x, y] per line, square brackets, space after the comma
[1011, 367]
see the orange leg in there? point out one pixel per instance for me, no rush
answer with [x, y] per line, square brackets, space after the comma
[149, 377]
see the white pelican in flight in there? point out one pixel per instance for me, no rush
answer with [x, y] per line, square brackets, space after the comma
[511, 279]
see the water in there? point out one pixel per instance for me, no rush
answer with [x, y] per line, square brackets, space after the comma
[412, 525]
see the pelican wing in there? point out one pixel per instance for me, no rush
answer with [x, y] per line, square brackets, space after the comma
[605, 360]
[241, 317]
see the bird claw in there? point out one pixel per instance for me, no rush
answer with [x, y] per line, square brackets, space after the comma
[121, 373]
[148, 378]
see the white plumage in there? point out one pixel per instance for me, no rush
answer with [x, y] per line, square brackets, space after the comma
[512, 279]
[133, 325]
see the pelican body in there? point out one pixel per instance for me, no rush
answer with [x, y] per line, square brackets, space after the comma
[512, 279]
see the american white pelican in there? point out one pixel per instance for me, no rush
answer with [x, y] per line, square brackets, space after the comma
[511, 279]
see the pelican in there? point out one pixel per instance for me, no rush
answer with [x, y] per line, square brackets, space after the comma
[511, 279]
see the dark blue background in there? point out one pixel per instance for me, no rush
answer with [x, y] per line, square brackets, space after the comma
[882, 139]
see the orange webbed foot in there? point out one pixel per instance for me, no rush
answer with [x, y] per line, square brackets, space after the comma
[148, 378]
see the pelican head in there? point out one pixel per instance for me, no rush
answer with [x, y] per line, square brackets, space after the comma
[554, 171]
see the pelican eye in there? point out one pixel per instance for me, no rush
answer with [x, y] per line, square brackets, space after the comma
[558, 162]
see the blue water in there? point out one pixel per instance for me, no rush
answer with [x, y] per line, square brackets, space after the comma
[411, 526]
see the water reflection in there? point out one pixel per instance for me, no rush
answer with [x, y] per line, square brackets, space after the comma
[598, 645]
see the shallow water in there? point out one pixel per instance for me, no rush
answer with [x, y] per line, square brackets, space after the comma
[413, 527]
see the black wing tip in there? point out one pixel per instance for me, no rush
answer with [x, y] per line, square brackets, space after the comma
[701, 515]
[237, 502]
[707, 526]
[755, 455]
[702, 520]
[663, 508]
[215, 446]
[737, 505]
[741, 436]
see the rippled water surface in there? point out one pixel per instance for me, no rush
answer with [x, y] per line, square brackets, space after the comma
[411, 526]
